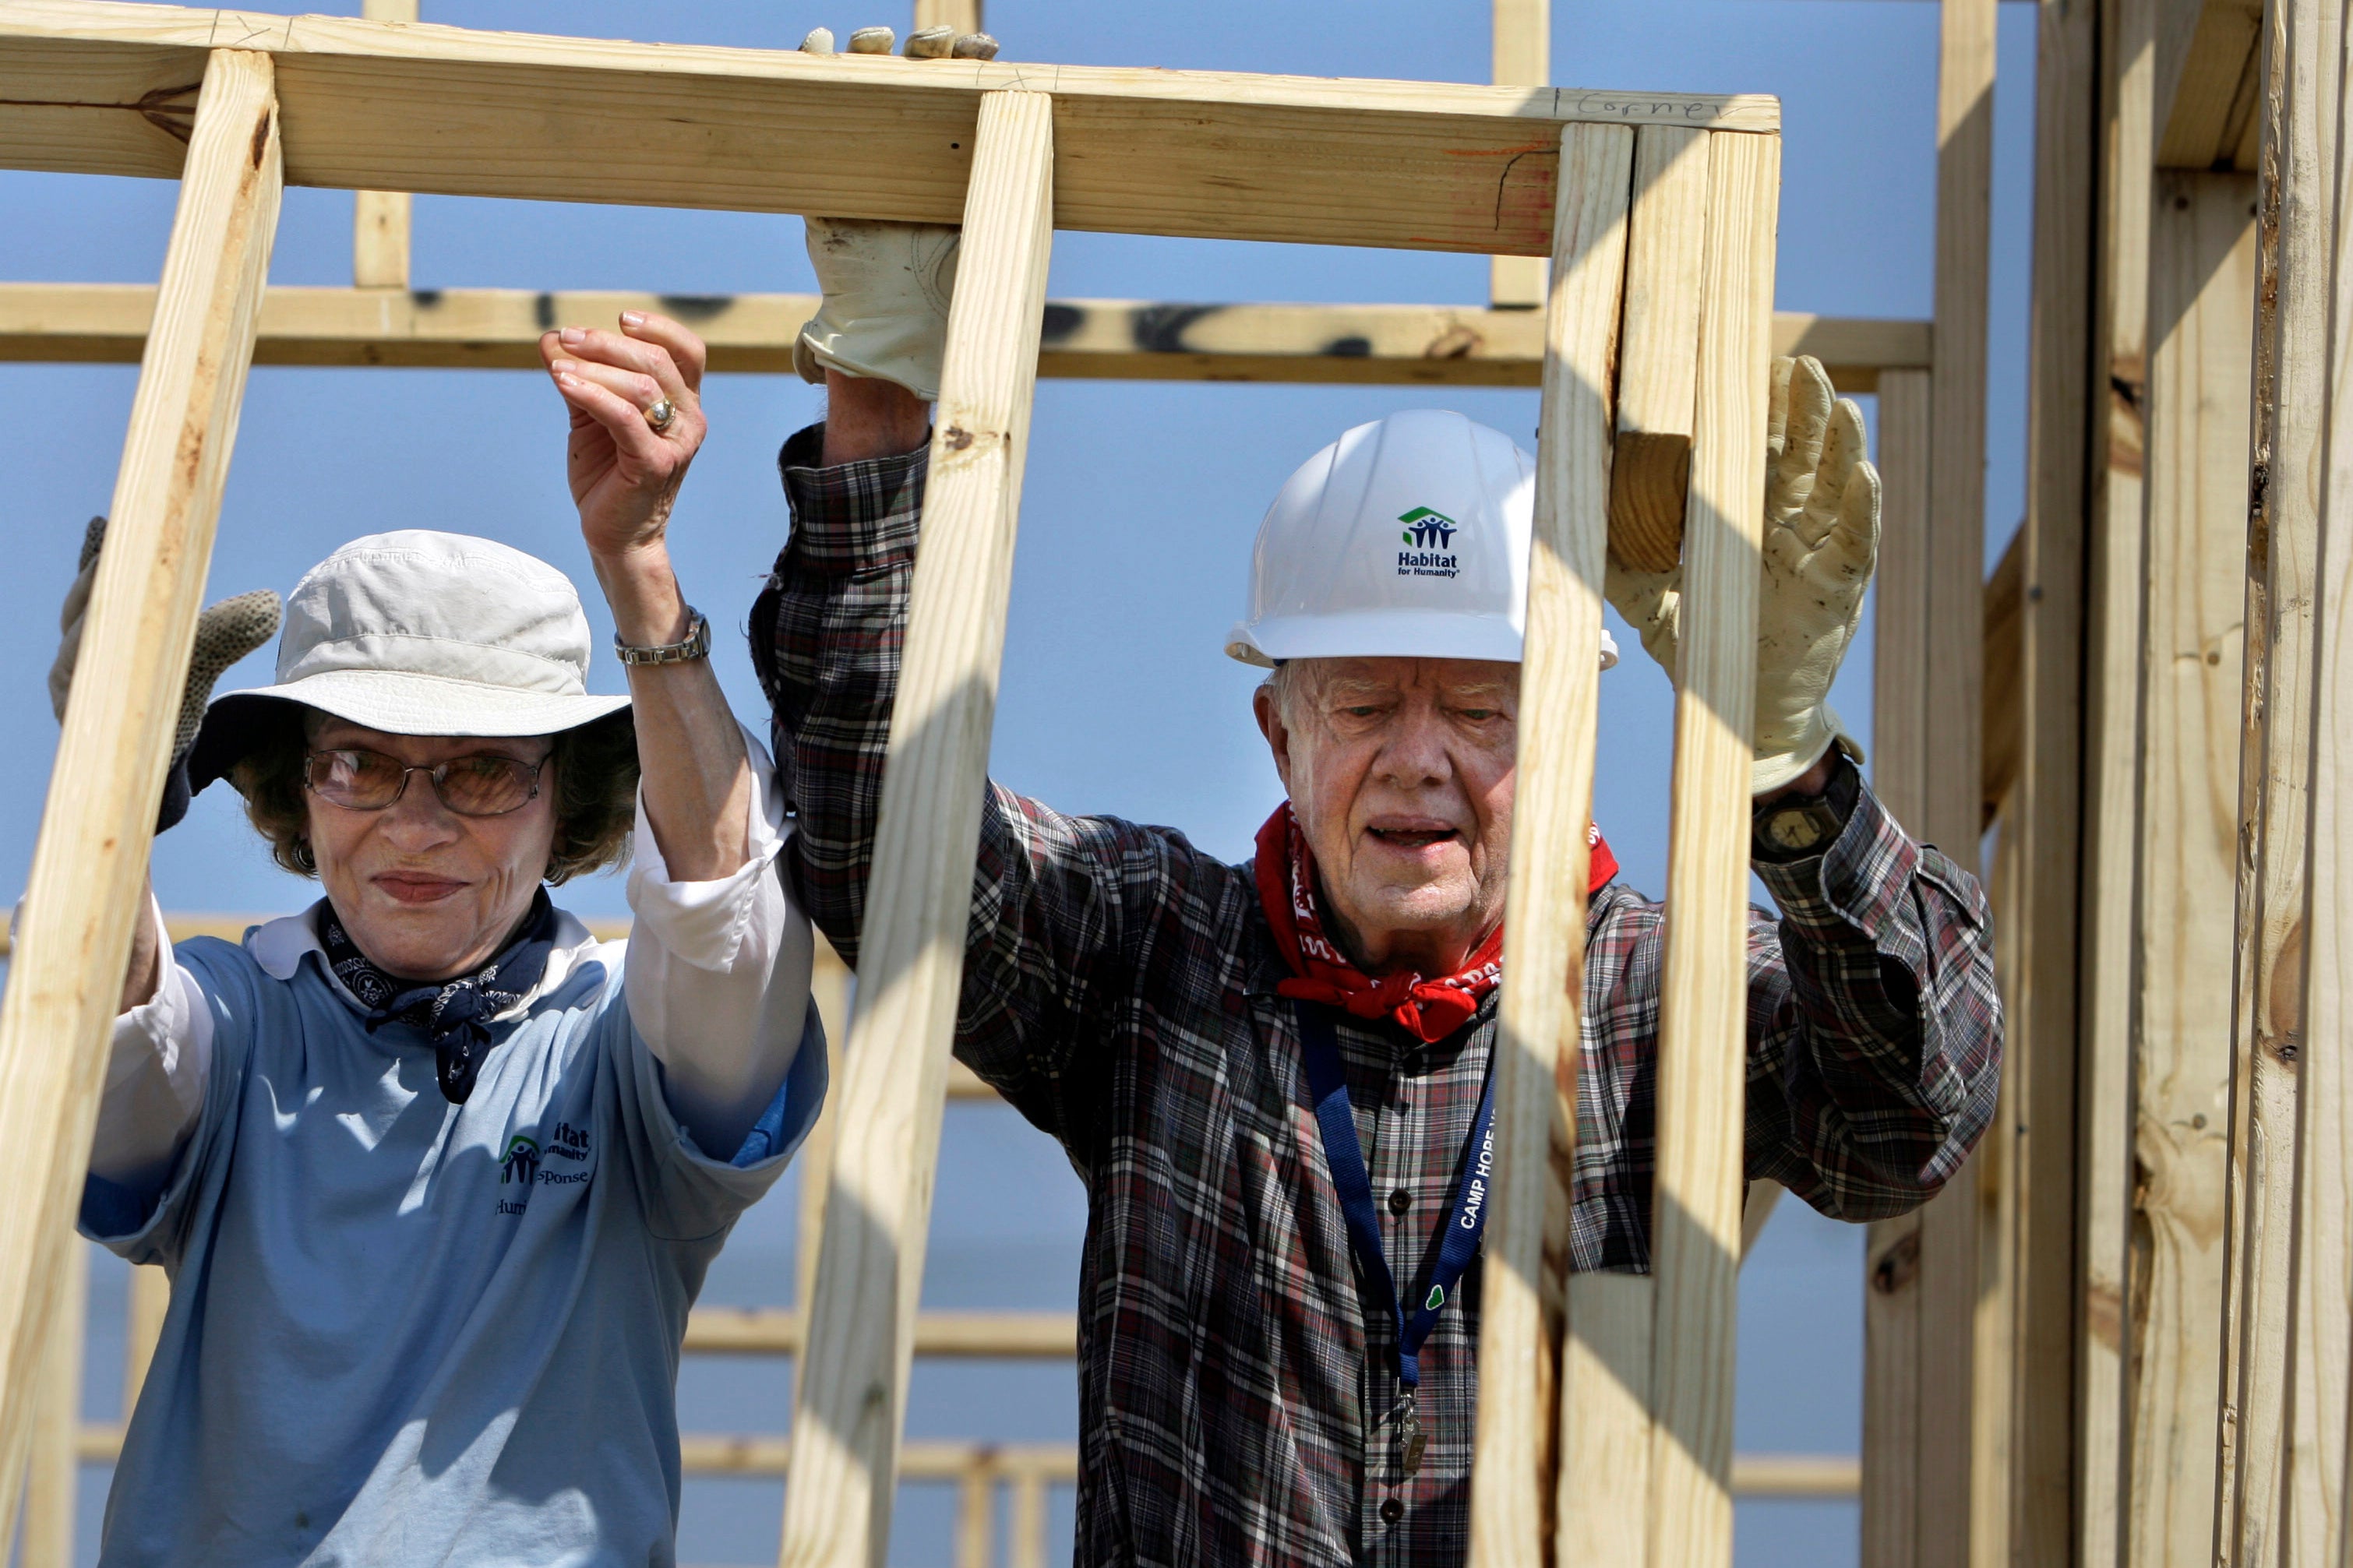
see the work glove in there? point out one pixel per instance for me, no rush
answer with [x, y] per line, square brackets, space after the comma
[224, 634]
[886, 285]
[1820, 544]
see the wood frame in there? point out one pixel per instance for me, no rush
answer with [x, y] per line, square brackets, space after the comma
[90, 863]
[377, 105]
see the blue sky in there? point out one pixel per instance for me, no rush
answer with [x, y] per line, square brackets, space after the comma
[1141, 502]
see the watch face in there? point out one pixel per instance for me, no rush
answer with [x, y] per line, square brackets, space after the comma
[1793, 828]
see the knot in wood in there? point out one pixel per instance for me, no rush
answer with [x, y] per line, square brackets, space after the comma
[957, 437]
[1899, 1267]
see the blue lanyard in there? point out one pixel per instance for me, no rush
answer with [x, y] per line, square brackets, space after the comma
[1464, 1222]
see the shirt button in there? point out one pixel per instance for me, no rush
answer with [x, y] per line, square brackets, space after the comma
[1400, 1201]
[1391, 1511]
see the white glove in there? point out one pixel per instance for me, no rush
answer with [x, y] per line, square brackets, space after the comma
[886, 285]
[1821, 543]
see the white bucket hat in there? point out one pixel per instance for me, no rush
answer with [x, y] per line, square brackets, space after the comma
[421, 632]
[1407, 536]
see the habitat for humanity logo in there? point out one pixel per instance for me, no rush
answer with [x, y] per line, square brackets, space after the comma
[518, 1165]
[1429, 535]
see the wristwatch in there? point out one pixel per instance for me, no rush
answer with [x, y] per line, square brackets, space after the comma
[696, 645]
[1795, 826]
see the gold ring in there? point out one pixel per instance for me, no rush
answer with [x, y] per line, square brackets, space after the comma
[660, 415]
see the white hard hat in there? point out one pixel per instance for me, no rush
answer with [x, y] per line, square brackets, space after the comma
[1407, 536]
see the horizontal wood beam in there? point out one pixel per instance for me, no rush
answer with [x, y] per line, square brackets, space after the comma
[104, 88]
[1028, 1336]
[2208, 88]
[497, 329]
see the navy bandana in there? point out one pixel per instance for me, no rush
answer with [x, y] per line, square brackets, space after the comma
[454, 1014]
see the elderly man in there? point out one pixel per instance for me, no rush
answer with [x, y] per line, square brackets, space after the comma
[1271, 1077]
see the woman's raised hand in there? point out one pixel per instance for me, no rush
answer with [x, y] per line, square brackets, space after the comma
[636, 422]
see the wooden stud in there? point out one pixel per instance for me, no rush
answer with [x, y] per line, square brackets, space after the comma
[497, 329]
[1420, 166]
[963, 16]
[1526, 1246]
[1899, 766]
[2076, 243]
[53, 1485]
[2104, 1175]
[1028, 1547]
[830, 982]
[1702, 1011]
[2202, 301]
[852, 1385]
[1651, 470]
[380, 218]
[2208, 83]
[975, 1525]
[82, 894]
[1522, 57]
[2002, 725]
[2272, 1070]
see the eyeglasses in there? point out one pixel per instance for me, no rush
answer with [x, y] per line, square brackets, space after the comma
[481, 786]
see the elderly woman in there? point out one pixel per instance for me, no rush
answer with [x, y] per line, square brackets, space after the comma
[436, 1173]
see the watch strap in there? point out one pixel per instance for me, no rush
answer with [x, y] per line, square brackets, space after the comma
[697, 645]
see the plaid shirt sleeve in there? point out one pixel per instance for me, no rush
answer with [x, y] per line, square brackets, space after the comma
[1874, 1028]
[1063, 907]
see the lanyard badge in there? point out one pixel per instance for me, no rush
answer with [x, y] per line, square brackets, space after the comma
[1466, 1219]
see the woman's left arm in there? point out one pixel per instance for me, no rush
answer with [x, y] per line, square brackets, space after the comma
[723, 1012]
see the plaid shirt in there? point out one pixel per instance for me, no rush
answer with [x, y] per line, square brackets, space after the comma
[1237, 1396]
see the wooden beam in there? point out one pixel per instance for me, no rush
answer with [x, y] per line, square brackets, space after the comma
[380, 218]
[2201, 302]
[82, 894]
[1950, 1262]
[2116, 569]
[1522, 51]
[497, 329]
[2003, 721]
[2207, 85]
[2296, 247]
[1536, 1043]
[1703, 1010]
[1899, 728]
[86, 88]
[53, 1484]
[963, 16]
[1025, 1336]
[1651, 469]
[853, 1391]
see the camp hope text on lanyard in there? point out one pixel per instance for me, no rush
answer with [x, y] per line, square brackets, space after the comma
[1465, 1220]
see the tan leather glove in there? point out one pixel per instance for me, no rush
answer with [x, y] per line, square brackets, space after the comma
[886, 285]
[1821, 543]
[224, 634]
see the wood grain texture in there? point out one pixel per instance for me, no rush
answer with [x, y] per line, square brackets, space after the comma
[1650, 471]
[2104, 1175]
[1949, 1248]
[2043, 808]
[1899, 768]
[852, 1388]
[82, 894]
[1526, 1247]
[380, 218]
[2294, 248]
[1418, 165]
[2201, 306]
[963, 16]
[830, 982]
[497, 329]
[2002, 728]
[2320, 1359]
[53, 1481]
[2208, 83]
[1521, 51]
[1702, 1013]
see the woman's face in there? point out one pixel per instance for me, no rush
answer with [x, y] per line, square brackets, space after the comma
[425, 893]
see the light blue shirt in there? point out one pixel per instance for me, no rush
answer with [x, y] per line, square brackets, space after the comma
[406, 1331]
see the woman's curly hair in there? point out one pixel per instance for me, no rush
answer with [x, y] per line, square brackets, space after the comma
[595, 769]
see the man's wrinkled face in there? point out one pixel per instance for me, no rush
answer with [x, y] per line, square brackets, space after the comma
[1400, 773]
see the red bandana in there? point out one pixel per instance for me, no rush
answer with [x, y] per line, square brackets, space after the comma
[1429, 1009]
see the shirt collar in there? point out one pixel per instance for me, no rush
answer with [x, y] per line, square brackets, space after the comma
[279, 945]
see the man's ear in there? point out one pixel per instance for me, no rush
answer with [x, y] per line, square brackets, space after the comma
[1278, 738]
